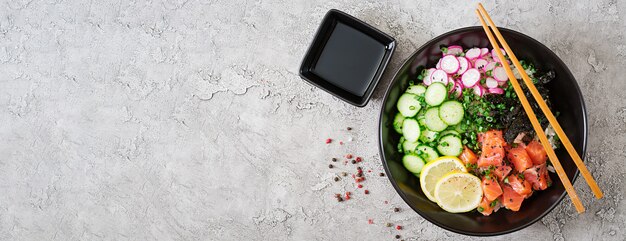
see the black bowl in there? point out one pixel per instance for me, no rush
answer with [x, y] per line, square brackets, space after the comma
[564, 94]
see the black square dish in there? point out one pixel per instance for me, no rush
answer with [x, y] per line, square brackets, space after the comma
[347, 57]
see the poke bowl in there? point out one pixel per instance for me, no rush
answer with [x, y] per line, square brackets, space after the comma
[407, 164]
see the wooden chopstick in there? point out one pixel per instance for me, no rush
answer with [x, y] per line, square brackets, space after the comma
[544, 107]
[533, 119]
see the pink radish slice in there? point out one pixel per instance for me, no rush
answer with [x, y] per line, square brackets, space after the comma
[480, 64]
[478, 90]
[484, 51]
[464, 64]
[458, 90]
[491, 82]
[438, 65]
[454, 50]
[470, 78]
[428, 74]
[490, 66]
[439, 76]
[502, 83]
[499, 74]
[450, 64]
[496, 90]
[493, 52]
[473, 53]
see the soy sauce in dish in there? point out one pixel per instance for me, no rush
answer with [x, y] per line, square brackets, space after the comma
[350, 59]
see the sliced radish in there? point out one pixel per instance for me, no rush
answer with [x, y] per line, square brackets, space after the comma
[439, 76]
[438, 65]
[473, 53]
[496, 90]
[490, 66]
[458, 90]
[464, 64]
[470, 78]
[484, 51]
[450, 81]
[450, 64]
[479, 90]
[491, 82]
[499, 74]
[493, 52]
[480, 64]
[427, 79]
[454, 50]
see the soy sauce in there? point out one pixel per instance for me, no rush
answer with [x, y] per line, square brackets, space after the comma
[350, 59]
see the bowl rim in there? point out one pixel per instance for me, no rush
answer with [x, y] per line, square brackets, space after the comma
[382, 112]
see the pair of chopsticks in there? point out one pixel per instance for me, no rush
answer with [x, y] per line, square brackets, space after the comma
[533, 118]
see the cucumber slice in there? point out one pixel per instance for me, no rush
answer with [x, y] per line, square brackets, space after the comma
[432, 120]
[408, 105]
[451, 112]
[409, 147]
[420, 117]
[413, 163]
[428, 135]
[427, 153]
[410, 130]
[435, 94]
[450, 145]
[397, 123]
[453, 132]
[416, 90]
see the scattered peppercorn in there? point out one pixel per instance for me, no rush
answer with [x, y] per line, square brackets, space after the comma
[359, 159]
[339, 199]
[344, 174]
[396, 210]
[337, 195]
[336, 179]
[360, 174]
[386, 202]
[370, 221]
[367, 191]
[360, 186]
[328, 141]
[399, 227]
[334, 159]
[349, 128]
[381, 174]
[349, 156]
[397, 236]
[353, 162]
[341, 143]
[388, 224]
[330, 166]
[359, 168]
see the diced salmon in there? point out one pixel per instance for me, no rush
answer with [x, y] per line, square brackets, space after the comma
[519, 158]
[538, 177]
[511, 199]
[492, 149]
[485, 207]
[468, 156]
[491, 188]
[536, 152]
[502, 171]
[522, 187]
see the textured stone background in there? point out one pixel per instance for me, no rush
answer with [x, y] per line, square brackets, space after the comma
[181, 120]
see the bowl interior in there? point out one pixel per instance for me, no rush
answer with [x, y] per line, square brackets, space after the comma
[564, 94]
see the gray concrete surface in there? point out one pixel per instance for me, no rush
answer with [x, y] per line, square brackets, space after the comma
[186, 120]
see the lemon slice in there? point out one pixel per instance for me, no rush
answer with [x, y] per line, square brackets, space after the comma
[458, 192]
[435, 170]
